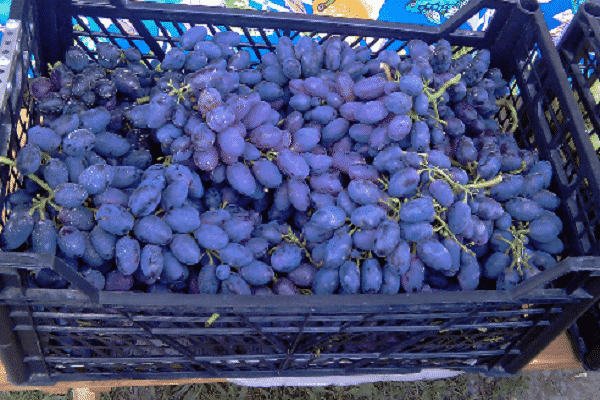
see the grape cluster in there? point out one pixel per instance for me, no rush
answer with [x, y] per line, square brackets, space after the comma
[320, 169]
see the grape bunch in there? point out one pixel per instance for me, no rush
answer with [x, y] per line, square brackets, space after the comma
[320, 169]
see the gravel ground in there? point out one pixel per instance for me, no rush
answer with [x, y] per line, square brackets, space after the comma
[562, 385]
[531, 385]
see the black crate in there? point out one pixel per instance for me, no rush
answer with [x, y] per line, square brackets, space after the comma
[82, 334]
[579, 50]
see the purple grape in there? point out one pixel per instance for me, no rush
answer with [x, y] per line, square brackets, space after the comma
[387, 237]
[43, 237]
[117, 282]
[29, 159]
[71, 241]
[412, 280]
[185, 249]
[337, 251]
[151, 264]
[144, 200]
[257, 273]
[207, 281]
[114, 219]
[235, 285]
[326, 281]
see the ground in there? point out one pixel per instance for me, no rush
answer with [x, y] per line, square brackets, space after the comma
[531, 385]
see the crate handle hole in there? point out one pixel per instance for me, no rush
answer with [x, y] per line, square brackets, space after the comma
[530, 5]
[592, 8]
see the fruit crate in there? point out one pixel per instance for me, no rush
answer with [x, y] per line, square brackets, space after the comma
[579, 49]
[74, 334]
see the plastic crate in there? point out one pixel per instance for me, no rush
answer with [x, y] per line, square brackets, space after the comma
[82, 334]
[579, 50]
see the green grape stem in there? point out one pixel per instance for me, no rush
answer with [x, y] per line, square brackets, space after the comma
[395, 205]
[517, 247]
[485, 184]
[143, 100]
[270, 155]
[181, 92]
[434, 96]
[513, 113]
[39, 203]
[388, 72]
[445, 229]
[291, 237]
[211, 254]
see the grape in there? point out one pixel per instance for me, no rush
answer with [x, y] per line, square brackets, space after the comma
[219, 118]
[223, 271]
[45, 138]
[489, 209]
[416, 231]
[470, 272]
[96, 178]
[369, 88]
[70, 195]
[412, 280]
[326, 281]
[153, 230]
[90, 257]
[442, 192]
[144, 200]
[350, 277]
[43, 236]
[387, 238]
[151, 264]
[321, 200]
[241, 179]
[523, 209]
[286, 258]
[371, 112]
[173, 271]
[546, 199]
[510, 187]
[267, 173]
[94, 277]
[257, 273]
[299, 194]
[114, 219]
[543, 229]
[507, 279]
[238, 229]
[434, 255]
[117, 282]
[125, 176]
[71, 241]
[303, 276]
[235, 255]
[29, 159]
[459, 215]
[398, 103]
[185, 249]
[235, 285]
[211, 237]
[329, 218]
[104, 242]
[79, 217]
[257, 246]
[495, 264]
[371, 276]
[363, 192]
[403, 183]
[55, 172]
[364, 239]
[337, 251]
[367, 217]
[417, 210]
[174, 195]
[208, 283]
